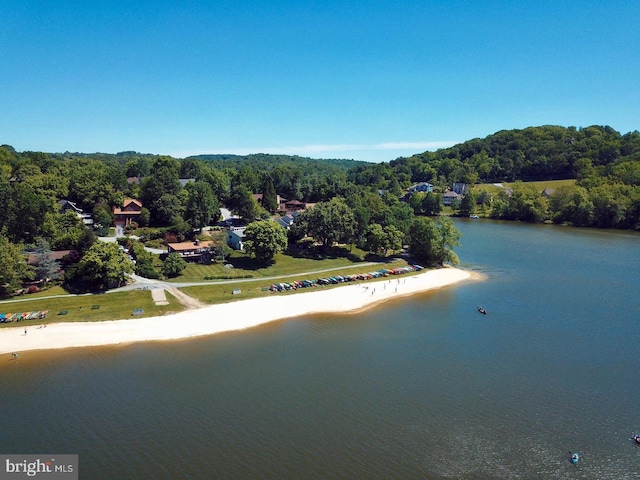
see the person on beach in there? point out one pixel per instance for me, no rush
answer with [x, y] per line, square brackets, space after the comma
[25, 330]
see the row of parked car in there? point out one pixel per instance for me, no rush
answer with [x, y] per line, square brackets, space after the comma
[335, 279]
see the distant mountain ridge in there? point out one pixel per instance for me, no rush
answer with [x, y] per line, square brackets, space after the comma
[274, 159]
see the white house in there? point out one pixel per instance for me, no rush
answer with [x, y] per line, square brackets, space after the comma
[235, 238]
[460, 188]
[449, 197]
[421, 187]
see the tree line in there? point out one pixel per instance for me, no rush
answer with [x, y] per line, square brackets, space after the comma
[356, 202]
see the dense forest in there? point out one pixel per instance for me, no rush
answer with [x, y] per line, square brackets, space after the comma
[369, 204]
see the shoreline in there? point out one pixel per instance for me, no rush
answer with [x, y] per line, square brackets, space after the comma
[226, 317]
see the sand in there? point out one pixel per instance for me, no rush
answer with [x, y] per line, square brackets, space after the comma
[226, 317]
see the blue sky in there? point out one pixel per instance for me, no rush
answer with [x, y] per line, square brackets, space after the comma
[369, 80]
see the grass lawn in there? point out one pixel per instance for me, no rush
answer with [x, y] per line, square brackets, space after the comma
[222, 292]
[120, 305]
[117, 305]
[285, 264]
[489, 187]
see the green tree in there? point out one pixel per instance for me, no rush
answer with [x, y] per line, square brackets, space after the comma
[168, 209]
[102, 219]
[328, 222]
[243, 204]
[264, 239]
[46, 268]
[62, 230]
[269, 196]
[202, 206]
[173, 265]
[432, 204]
[394, 239]
[468, 204]
[103, 266]
[160, 191]
[26, 210]
[13, 267]
[375, 238]
[381, 240]
[144, 265]
[432, 241]
[448, 238]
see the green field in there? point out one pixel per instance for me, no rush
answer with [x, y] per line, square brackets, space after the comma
[245, 267]
[221, 292]
[491, 188]
[93, 307]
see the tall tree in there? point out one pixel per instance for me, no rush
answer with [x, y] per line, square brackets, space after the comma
[243, 203]
[433, 241]
[202, 206]
[467, 204]
[173, 265]
[13, 266]
[269, 196]
[381, 240]
[264, 239]
[328, 222]
[103, 266]
[46, 268]
[26, 210]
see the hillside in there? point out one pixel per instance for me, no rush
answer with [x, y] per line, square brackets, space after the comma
[534, 153]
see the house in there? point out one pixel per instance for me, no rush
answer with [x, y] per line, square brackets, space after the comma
[287, 220]
[460, 188]
[548, 192]
[129, 213]
[235, 238]
[448, 198]
[293, 205]
[421, 187]
[134, 180]
[66, 205]
[190, 251]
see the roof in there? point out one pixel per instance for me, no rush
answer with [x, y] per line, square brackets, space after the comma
[127, 201]
[238, 231]
[184, 246]
[68, 203]
[125, 204]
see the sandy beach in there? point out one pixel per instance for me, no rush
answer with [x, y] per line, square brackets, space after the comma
[227, 316]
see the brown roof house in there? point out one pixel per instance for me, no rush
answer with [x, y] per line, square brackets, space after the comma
[191, 251]
[289, 206]
[130, 212]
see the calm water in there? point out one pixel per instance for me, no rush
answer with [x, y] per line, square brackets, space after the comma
[424, 388]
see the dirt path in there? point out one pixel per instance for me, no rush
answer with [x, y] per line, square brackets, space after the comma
[184, 299]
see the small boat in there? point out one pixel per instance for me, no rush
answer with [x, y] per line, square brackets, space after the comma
[474, 216]
[575, 458]
[636, 438]
[482, 310]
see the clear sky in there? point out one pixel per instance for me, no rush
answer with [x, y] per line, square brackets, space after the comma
[368, 80]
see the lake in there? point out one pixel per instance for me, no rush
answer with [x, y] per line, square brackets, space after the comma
[419, 388]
